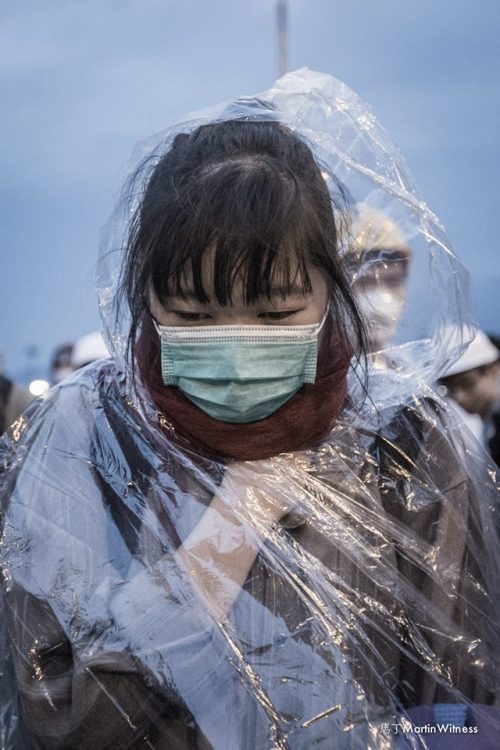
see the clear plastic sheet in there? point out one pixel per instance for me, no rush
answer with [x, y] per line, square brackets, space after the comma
[434, 324]
[363, 614]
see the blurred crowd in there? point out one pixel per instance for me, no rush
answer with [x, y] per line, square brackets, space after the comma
[471, 385]
[66, 359]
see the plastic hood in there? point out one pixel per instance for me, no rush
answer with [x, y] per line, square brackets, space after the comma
[433, 326]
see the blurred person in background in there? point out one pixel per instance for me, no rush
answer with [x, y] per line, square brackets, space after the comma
[473, 383]
[495, 340]
[87, 349]
[60, 365]
[379, 260]
[70, 357]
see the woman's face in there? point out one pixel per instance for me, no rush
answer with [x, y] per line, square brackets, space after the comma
[295, 308]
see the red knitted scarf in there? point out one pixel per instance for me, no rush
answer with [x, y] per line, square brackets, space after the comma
[302, 422]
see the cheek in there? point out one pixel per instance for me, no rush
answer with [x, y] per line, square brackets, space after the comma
[321, 299]
[319, 286]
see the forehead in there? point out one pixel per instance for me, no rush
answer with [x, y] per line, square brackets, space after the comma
[276, 293]
[277, 296]
[246, 282]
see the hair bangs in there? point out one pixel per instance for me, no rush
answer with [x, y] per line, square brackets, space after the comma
[260, 270]
[241, 223]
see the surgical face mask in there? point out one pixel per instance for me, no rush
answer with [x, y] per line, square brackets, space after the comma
[237, 373]
[381, 309]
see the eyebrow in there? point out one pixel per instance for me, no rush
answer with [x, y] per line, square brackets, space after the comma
[293, 291]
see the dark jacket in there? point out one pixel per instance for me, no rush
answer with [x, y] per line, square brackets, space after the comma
[378, 593]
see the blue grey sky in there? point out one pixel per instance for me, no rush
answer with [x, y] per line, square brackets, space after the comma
[82, 81]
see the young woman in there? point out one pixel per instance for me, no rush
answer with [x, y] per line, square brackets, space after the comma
[231, 534]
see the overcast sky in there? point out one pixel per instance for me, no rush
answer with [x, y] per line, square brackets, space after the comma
[83, 80]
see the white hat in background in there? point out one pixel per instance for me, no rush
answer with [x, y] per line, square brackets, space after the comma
[87, 349]
[480, 352]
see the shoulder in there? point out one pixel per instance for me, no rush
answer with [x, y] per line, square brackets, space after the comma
[92, 434]
[69, 485]
[422, 473]
[73, 434]
[70, 407]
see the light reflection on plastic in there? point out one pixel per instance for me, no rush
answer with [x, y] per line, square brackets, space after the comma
[38, 387]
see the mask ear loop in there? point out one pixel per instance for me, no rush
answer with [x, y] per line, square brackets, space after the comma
[324, 318]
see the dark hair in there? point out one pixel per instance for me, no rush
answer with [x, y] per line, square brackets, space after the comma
[449, 381]
[251, 192]
[495, 340]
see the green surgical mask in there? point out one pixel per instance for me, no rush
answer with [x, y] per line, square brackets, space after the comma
[236, 373]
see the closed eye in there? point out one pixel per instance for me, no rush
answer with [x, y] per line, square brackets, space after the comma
[191, 316]
[278, 315]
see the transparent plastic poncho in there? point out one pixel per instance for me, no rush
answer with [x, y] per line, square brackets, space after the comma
[367, 617]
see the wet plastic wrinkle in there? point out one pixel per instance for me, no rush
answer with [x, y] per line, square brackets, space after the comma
[373, 581]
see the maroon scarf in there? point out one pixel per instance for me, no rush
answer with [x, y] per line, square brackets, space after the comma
[302, 422]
